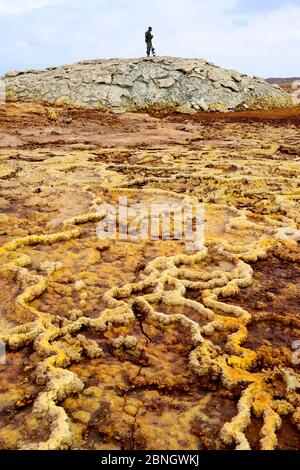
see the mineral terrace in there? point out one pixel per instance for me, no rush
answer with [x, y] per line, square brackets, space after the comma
[141, 344]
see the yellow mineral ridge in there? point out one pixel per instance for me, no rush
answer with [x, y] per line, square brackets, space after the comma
[111, 342]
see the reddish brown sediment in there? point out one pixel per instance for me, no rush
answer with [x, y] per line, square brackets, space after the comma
[110, 343]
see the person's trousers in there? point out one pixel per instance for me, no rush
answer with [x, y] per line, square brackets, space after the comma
[149, 47]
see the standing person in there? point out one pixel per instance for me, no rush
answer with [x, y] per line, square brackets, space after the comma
[148, 39]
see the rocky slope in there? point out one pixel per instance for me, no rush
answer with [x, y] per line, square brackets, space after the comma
[189, 85]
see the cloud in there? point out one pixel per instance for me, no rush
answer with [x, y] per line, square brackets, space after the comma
[58, 31]
[20, 7]
[241, 23]
[260, 6]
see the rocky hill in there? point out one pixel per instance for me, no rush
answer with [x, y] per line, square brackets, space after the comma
[282, 80]
[189, 85]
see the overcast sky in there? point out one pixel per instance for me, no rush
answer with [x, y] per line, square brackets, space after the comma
[259, 37]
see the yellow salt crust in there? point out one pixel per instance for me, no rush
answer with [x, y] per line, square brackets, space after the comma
[123, 304]
[60, 382]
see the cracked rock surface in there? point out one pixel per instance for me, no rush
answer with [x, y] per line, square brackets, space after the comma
[188, 85]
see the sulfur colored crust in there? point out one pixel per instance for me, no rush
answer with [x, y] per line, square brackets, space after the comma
[97, 364]
[204, 358]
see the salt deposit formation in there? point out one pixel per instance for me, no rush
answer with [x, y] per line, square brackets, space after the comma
[143, 344]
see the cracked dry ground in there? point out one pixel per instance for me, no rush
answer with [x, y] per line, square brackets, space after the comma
[142, 345]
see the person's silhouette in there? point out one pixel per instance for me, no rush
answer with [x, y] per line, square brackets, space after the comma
[148, 39]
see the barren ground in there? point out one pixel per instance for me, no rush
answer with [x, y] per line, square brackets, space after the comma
[142, 345]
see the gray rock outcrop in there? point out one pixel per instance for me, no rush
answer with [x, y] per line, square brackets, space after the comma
[190, 85]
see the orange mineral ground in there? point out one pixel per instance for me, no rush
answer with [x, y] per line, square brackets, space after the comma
[143, 344]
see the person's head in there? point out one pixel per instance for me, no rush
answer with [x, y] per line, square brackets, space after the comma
[150, 28]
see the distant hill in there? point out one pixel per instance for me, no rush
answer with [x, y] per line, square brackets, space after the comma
[282, 80]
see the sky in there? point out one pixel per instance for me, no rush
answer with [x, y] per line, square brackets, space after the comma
[258, 37]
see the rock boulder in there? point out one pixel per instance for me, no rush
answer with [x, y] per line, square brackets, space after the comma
[128, 84]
